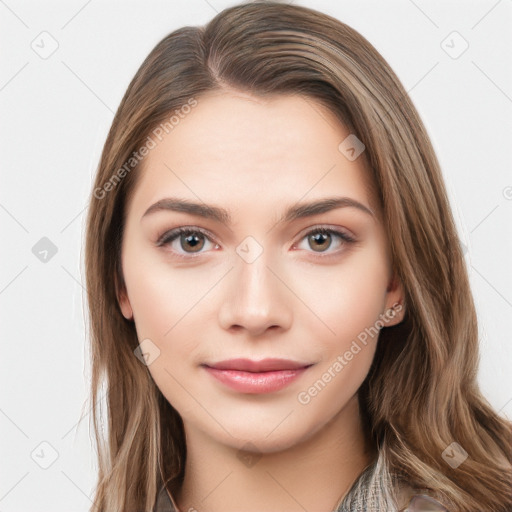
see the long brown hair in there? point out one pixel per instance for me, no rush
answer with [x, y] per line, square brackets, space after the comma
[421, 394]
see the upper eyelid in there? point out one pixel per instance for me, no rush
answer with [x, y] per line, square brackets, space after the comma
[180, 229]
[206, 232]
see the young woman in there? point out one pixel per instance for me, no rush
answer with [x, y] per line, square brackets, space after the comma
[280, 308]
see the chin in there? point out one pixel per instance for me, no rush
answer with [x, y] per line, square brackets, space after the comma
[257, 435]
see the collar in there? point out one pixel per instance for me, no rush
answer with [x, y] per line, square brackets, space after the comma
[165, 502]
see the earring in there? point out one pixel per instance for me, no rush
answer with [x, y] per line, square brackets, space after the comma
[394, 310]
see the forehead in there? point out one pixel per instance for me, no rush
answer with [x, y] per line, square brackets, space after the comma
[234, 147]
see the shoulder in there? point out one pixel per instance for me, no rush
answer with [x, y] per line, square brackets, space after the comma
[404, 494]
[422, 503]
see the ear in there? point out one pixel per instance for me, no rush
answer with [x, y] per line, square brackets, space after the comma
[122, 297]
[395, 301]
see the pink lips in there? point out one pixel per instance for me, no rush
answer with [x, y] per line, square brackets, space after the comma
[263, 376]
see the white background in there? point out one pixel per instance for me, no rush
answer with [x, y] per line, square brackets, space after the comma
[55, 115]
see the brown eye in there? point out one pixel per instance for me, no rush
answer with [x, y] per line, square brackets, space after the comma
[193, 242]
[186, 241]
[320, 241]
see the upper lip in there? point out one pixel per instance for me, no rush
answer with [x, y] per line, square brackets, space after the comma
[263, 365]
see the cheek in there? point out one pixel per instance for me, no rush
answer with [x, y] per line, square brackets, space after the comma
[345, 300]
[162, 299]
[349, 305]
[165, 309]
[171, 309]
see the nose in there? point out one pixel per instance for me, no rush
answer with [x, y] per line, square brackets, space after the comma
[254, 299]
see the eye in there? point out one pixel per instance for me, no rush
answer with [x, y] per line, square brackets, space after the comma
[185, 240]
[190, 241]
[321, 239]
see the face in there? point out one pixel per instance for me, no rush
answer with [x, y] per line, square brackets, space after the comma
[257, 274]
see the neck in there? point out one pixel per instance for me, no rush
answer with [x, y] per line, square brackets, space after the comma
[312, 475]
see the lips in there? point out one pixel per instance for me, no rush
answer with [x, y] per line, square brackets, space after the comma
[256, 377]
[264, 365]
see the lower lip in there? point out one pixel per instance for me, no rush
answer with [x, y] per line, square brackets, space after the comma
[249, 382]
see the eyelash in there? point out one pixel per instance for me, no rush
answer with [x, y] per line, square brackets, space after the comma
[169, 236]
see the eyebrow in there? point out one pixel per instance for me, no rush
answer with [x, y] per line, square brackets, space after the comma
[294, 212]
